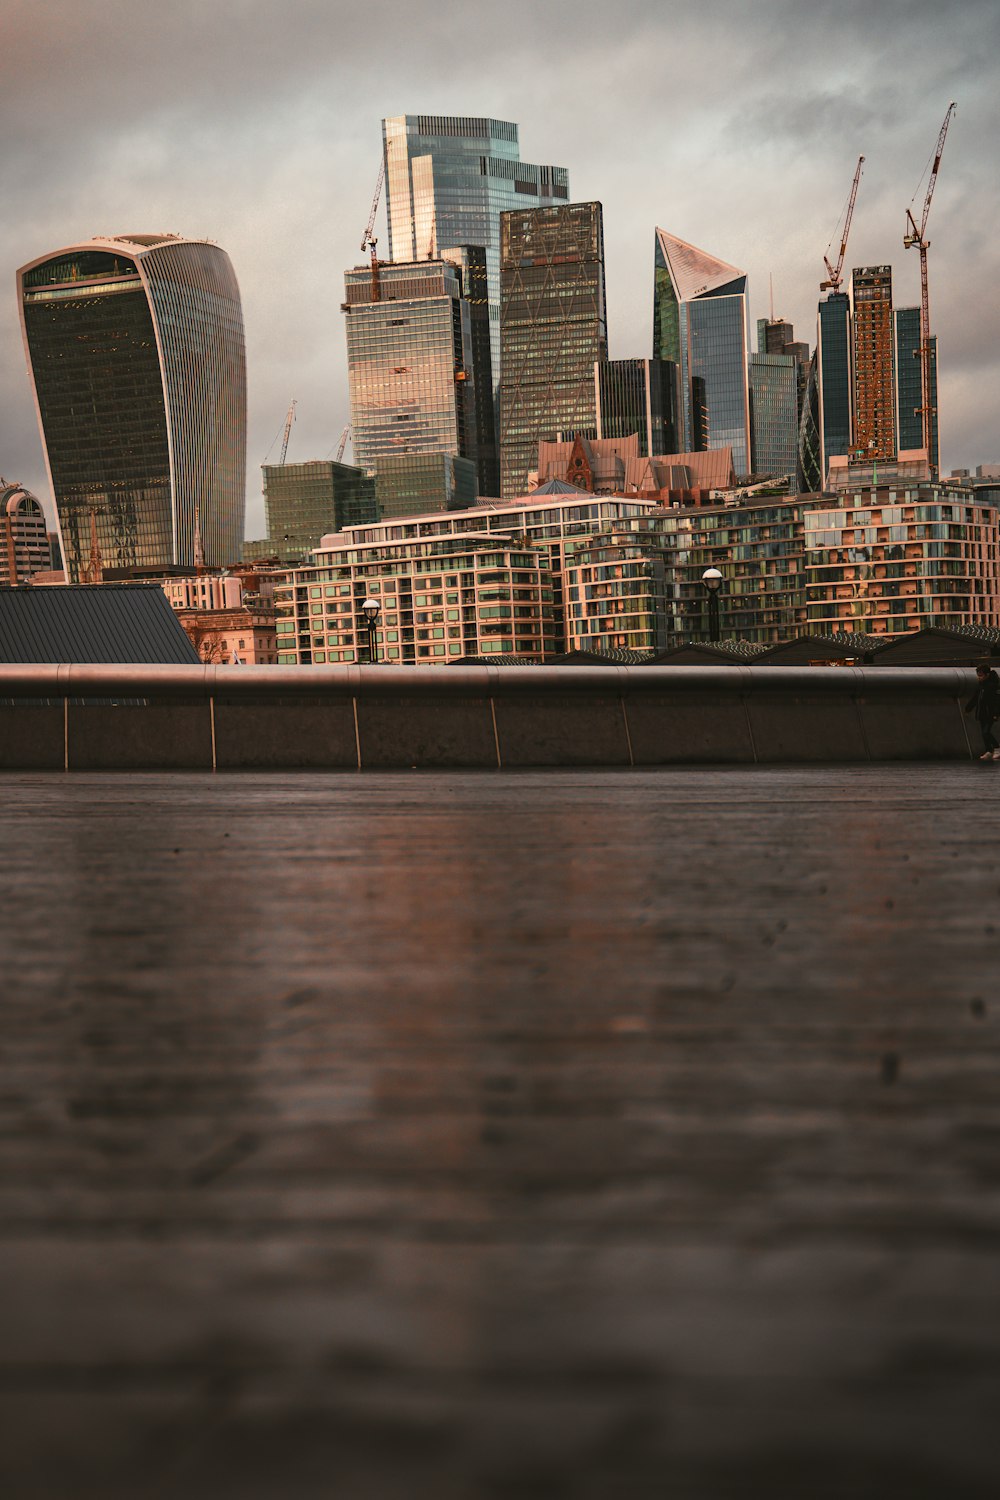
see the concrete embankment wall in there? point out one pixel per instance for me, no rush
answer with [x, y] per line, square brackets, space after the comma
[378, 717]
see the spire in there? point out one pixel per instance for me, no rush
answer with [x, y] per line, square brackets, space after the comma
[199, 550]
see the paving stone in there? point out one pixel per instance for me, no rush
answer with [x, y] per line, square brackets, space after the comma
[556, 1134]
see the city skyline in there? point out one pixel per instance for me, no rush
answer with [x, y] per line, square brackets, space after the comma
[285, 169]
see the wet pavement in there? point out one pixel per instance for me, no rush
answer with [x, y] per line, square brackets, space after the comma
[444, 1136]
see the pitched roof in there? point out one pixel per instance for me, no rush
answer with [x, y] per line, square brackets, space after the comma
[80, 624]
[557, 487]
[718, 653]
[941, 645]
[806, 648]
[694, 272]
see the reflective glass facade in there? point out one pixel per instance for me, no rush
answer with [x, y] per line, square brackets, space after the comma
[874, 434]
[700, 323]
[909, 421]
[410, 369]
[811, 476]
[471, 260]
[774, 414]
[639, 396]
[409, 484]
[833, 378]
[136, 351]
[448, 179]
[304, 502]
[554, 328]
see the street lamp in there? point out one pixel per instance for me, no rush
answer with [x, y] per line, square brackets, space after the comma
[370, 609]
[712, 579]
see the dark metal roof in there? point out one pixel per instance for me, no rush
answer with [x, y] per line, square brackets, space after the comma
[91, 625]
[838, 646]
[941, 645]
[720, 653]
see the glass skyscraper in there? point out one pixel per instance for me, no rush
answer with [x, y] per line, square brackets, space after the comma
[774, 414]
[909, 398]
[554, 327]
[471, 259]
[834, 391]
[305, 502]
[448, 179]
[410, 366]
[136, 352]
[700, 323]
[639, 396]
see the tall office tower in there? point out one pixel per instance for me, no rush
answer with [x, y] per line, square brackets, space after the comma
[135, 348]
[700, 322]
[305, 502]
[834, 387]
[810, 477]
[471, 260]
[774, 414]
[448, 179]
[909, 423]
[553, 326]
[640, 396]
[776, 336]
[874, 434]
[410, 369]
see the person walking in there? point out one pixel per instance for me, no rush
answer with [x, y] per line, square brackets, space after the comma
[985, 702]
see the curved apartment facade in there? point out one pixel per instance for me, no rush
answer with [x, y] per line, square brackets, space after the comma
[136, 354]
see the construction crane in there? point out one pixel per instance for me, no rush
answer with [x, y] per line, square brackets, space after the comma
[918, 237]
[288, 431]
[834, 272]
[369, 240]
[343, 443]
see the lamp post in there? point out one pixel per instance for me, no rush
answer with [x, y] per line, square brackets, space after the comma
[370, 609]
[712, 579]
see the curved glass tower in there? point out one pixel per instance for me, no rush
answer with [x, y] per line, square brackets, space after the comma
[136, 353]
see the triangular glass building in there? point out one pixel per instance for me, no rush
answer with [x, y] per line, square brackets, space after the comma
[700, 322]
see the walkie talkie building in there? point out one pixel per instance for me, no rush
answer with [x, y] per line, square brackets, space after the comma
[136, 353]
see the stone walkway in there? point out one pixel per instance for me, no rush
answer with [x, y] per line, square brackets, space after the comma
[436, 1137]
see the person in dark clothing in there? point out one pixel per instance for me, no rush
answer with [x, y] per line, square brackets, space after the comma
[985, 702]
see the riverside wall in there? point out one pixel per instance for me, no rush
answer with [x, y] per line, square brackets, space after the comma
[387, 717]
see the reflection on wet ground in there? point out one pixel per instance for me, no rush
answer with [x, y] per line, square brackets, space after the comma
[539, 1135]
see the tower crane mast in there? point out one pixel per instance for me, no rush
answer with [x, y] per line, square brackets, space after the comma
[918, 237]
[835, 272]
[288, 431]
[369, 240]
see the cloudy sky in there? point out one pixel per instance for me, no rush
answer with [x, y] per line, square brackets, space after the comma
[737, 126]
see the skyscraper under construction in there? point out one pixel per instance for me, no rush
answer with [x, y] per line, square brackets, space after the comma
[874, 434]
